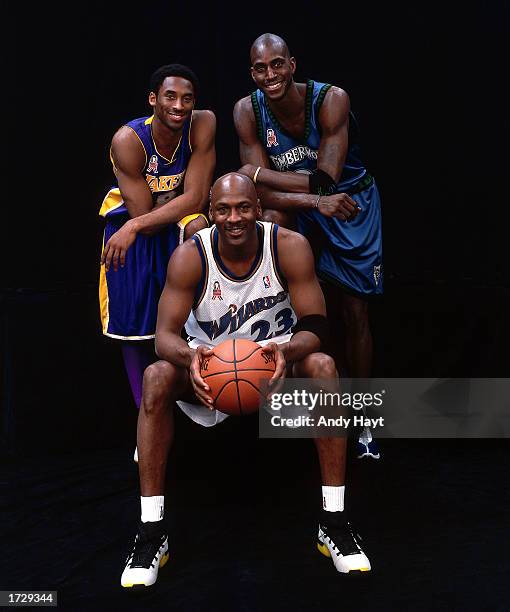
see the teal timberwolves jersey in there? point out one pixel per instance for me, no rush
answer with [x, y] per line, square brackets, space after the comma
[290, 155]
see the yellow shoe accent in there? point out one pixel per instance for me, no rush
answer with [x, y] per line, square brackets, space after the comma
[323, 549]
[364, 569]
[164, 559]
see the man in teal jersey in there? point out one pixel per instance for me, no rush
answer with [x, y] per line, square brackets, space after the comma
[298, 143]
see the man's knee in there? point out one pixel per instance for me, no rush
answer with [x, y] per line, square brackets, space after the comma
[194, 226]
[158, 380]
[317, 365]
[279, 217]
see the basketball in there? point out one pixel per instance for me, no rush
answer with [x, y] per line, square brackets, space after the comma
[234, 373]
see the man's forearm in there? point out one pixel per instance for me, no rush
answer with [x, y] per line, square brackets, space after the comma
[277, 200]
[288, 182]
[172, 348]
[171, 212]
[300, 345]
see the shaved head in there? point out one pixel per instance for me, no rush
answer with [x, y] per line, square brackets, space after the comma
[269, 41]
[233, 183]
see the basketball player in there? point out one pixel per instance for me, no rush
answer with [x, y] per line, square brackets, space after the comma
[244, 261]
[298, 142]
[163, 165]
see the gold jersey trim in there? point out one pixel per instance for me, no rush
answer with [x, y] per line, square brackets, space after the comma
[112, 200]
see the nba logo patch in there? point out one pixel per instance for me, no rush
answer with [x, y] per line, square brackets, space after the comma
[267, 282]
[271, 138]
[216, 292]
[377, 274]
[153, 164]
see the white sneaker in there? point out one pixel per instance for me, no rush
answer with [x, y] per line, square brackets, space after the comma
[150, 552]
[338, 540]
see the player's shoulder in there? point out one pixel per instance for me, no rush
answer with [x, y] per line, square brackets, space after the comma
[125, 136]
[204, 116]
[243, 104]
[204, 120]
[243, 109]
[203, 129]
[127, 150]
[188, 250]
[336, 95]
[295, 256]
[186, 263]
[288, 240]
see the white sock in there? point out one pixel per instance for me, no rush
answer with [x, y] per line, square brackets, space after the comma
[153, 508]
[333, 498]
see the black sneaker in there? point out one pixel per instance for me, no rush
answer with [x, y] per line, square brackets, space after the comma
[338, 540]
[150, 552]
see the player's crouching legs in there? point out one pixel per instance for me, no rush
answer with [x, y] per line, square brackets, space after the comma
[162, 384]
[316, 365]
[158, 380]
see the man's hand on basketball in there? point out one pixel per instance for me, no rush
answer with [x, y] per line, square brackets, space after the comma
[115, 249]
[200, 387]
[339, 205]
[279, 374]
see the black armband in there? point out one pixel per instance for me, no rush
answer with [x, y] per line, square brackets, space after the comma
[321, 183]
[316, 324]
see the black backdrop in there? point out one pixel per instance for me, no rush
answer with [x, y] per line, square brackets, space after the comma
[426, 84]
[425, 81]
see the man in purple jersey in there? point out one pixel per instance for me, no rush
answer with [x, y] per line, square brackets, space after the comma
[163, 165]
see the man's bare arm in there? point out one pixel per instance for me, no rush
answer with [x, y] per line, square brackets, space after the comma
[334, 122]
[297, 265]
[128, 156]
[197, 182]
[253, 154]
[183, 276]
[290, 190]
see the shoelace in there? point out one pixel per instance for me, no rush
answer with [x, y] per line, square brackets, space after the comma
[343, 539]
[145, 551]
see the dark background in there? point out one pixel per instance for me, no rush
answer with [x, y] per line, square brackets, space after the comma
[427, 83]
[423, 81]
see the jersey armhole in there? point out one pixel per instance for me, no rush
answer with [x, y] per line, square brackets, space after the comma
[258, 116]
[204, 276]
[189, 131]
[318, 103]
[274, 256]
[320, 98]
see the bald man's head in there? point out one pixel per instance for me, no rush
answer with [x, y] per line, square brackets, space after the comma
[271, 42]
[231, 184]
[272, 68]
[235, 209]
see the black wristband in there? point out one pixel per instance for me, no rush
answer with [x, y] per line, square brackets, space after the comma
[315, 324]
[321, 183]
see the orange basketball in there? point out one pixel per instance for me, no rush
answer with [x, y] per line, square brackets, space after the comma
[234, 373]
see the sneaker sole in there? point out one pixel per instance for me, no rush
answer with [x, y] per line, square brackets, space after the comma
[324, 550]
[139, 585]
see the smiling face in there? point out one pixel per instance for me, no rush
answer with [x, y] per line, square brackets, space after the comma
[272, 68]
[235, 209]
[173, 103]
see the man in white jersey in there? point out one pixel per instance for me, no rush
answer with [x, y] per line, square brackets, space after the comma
[266, 278]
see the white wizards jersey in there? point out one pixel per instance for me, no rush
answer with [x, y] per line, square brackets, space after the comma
[252, 307]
